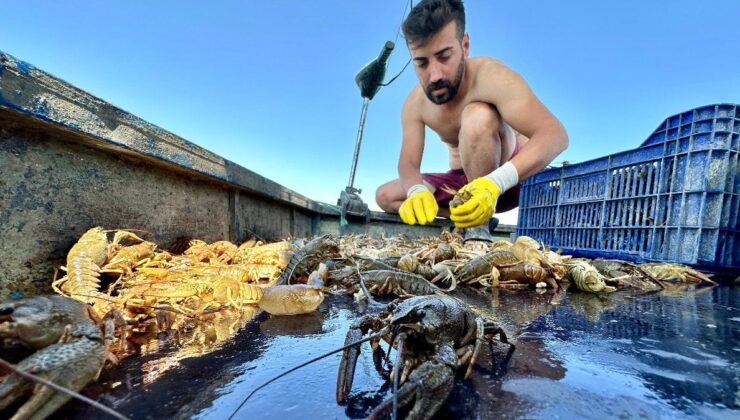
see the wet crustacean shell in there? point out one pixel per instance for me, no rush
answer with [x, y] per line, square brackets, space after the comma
[256, 253]
[587, 278]
[481, 266]
[442, 251]
[319, 276]
[555, 264]
[291, 299]
[84, 261]
[626, 274]
[500, 244]
[670, 271]
[524, 251]
[460, 197]
[394, 282]
[225, 251]
[526, 240]
[553, 257]
[526, 273]
[199, 251]
[425, 271]
[306, 259]
[495, 276]
[408, 263]
[128, 257]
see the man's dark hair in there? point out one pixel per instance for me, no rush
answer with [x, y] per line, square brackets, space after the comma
[429, 17]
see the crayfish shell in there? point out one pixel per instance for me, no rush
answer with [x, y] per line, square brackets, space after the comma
[524, 273]
[529, 242]
[408, 263]
[294, 299]
[588, 279]
[460, 197]
[443, 252]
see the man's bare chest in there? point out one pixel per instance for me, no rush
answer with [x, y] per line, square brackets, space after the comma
[446, 123]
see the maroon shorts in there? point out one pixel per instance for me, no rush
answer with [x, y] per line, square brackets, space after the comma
[447, 183]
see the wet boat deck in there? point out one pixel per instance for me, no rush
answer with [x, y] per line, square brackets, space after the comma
[670, 354]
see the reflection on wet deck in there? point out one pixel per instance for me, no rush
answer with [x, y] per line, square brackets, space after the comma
[673, 354]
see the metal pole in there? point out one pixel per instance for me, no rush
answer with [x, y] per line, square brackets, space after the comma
[365, 103]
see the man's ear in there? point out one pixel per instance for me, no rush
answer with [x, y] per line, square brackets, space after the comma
[466, 44]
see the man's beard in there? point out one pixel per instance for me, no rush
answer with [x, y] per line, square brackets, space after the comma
[451, 88]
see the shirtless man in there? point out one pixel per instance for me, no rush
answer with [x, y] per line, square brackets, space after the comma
[479, 107]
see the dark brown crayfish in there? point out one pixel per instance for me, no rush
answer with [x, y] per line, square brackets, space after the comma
[434, 336]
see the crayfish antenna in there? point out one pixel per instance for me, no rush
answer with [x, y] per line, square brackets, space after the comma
[396, 373]
[315, 359]
[370, 301]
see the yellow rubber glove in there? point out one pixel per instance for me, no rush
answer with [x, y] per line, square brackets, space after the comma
[420, 207]
[481, 206]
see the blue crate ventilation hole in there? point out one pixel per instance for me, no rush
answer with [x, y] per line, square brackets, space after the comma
[674, 198]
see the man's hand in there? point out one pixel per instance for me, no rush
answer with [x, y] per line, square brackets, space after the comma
[420, 206]
[480, 207]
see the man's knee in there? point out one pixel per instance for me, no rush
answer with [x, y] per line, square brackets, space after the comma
[479, 122]
[384, 198]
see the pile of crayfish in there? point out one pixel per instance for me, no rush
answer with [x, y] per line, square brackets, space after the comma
[115, 283]
[136, 280]
[141, 281]
[412, 267]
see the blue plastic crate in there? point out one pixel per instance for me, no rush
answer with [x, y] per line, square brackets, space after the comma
[675, 198]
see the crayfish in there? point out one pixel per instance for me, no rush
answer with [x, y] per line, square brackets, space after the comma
[434, 337]
[72, 350]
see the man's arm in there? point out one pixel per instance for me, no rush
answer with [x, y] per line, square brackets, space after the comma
[498, 85]
[412, 146]
[521, 109]
[420, 206]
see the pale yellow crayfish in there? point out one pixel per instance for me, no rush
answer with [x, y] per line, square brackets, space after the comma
[225, 251]
[84, 262]
[192, 295]
[130, 257]
[587, 278]
[669, 271]
[526, 273]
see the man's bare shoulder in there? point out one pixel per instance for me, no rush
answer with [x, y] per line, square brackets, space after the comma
[492, 80]
[486, 67]
[414, 103]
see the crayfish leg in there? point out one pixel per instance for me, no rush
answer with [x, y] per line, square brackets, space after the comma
[43, 403]
[491, 329]
[12, 388]
[428, 387]
[379, 356]
[464, 354]
[479, 338]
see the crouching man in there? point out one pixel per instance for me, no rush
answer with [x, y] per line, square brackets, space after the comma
[498, 133]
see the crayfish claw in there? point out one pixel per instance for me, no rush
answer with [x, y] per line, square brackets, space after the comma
[346, 373]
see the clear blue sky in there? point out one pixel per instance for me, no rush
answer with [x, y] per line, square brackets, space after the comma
[270, 84]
